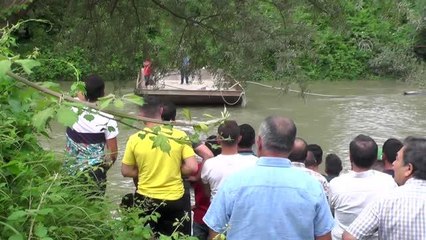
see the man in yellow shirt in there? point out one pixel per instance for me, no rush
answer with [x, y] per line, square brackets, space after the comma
[159, 173]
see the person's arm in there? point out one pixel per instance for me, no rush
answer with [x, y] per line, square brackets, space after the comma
[129, 170]
[213, 235]
[366, 224]
[323, 222]
[348, 236]
[324, 237]
[204, 152]
[189, 166]
[112, 149]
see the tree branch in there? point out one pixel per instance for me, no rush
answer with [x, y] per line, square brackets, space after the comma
[96, 107]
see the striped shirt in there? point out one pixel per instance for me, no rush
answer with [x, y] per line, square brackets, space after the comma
[399, 215]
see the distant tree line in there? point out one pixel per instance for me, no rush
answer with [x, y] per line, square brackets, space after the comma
[285, 40]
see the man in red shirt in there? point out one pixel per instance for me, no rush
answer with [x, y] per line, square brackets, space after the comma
[146, 72]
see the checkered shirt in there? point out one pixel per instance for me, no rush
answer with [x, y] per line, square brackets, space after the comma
[401, 215]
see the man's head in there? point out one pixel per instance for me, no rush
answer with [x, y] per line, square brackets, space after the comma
[95, 88]
[411, 160]
[299, 151]
[390, 149]
[310, 161]
[169, 111]
[333, 164]
[152, 107]
[363, 151]
[228, 133]
[248, 136]
[276, 136]
[213, 145]
[317, 151]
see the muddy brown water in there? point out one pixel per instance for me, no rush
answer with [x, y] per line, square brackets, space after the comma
[375, 108]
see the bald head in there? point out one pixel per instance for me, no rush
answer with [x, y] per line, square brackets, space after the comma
[277, 134]
[299, 151]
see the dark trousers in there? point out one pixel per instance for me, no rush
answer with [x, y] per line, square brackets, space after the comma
[201, 231]
[170, 212]
[184, 75]
[187, 201]
[148, 80]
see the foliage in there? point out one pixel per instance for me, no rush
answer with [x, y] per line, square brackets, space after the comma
[286, 41]
[37, 199]
[369, 40]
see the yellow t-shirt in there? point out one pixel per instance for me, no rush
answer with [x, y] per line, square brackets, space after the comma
[159, 172]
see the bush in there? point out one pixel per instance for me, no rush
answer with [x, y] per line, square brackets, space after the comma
[393, 61]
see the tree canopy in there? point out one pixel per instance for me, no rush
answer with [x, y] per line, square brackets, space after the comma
[286, 40]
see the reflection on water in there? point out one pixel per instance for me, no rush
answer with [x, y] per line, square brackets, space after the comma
[377, 109]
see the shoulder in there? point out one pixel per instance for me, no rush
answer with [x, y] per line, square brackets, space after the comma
[136, 137]
[174, 132]
[212, 161]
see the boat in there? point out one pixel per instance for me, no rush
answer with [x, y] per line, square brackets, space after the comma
[415, 93]
[204, 88]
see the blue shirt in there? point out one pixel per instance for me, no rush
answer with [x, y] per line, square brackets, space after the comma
[271, 200]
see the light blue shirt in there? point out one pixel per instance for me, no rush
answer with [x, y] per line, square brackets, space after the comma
[271, 200]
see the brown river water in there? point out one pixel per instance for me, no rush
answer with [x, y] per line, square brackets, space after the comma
[375, 108]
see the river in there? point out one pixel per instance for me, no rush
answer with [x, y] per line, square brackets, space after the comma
[374, 108]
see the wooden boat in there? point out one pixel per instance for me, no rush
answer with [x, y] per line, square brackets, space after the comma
[415, 93]
[203, 89]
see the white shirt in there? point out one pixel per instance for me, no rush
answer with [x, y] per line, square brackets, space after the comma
[350, 193]
[216, 170]
[101, 123]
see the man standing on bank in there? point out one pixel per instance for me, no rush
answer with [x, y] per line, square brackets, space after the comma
[242, 207]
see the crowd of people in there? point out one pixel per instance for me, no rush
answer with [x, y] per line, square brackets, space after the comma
[256, 186]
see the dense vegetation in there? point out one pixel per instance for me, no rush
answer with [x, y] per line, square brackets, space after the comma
[251, 40]
[38, 200]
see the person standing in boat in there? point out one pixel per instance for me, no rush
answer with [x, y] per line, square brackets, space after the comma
[146, 72]
[185, 70]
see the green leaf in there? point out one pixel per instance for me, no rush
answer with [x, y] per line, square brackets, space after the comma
[111, 129]
[5, 66]
[52, 86]
[186, 114]
[142, 135]
[16, 237]
[162, 142]
[118, 103]
[40, 119]
[207, 115]
[17, 215]
[28, 64]
[89, 117]
[45, 211]
[132, 98]
[66, 116]
[104, 103]
[78, 86]
[40, 230]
